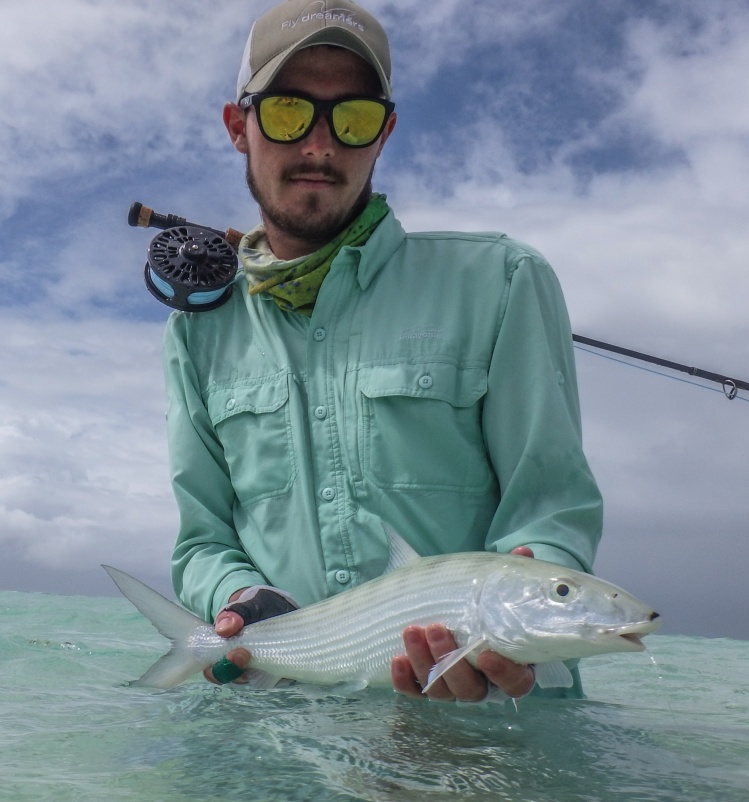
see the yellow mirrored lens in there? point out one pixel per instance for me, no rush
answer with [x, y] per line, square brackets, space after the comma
[285, 118]
[358, 122]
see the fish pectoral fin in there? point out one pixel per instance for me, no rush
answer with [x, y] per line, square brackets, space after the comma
[553, 675]
[450, 659]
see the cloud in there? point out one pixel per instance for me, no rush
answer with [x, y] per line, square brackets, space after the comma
[93, 90]
[612, 137]
[662, 240]
[82, 452]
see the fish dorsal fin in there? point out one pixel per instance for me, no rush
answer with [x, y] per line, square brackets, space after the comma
[400, 552]
[450, 659]
[553, 675]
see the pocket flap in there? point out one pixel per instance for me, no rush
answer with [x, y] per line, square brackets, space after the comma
[265, 395]
[460, 386]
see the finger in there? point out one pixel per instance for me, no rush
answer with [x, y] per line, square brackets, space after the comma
[422, 658]
[404, 678]
[230, 668]
[228, 624]
[523, 551]
[462, 681]
[515, 680]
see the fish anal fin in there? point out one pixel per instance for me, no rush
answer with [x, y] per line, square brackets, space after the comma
[446, 662]
[553, 675]
[260, 680]
[349, 688]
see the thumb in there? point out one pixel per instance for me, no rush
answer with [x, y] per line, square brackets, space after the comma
[228, 624]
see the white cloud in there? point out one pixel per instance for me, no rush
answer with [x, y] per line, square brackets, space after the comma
[107, 103]
[82, 454]
[691, 86]
[88, 87]
[663, 242]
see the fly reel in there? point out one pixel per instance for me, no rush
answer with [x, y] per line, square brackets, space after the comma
[190, 267]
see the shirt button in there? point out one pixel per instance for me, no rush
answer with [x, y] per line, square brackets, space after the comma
[342, 576]
[231, 403]
[328, 493]
[320, 335]
[321, 412]
[425, 382]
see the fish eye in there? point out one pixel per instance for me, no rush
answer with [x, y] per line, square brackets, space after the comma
[563, 591]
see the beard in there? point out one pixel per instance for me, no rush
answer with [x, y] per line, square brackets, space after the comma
[314, 223]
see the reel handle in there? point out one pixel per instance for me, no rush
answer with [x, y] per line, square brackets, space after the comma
[143, 217]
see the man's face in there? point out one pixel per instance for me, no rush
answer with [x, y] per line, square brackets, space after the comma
[310, 190]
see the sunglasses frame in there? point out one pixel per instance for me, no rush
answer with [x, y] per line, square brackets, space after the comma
[320, 107]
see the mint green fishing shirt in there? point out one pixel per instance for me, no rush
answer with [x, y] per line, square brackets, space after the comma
[433, 388]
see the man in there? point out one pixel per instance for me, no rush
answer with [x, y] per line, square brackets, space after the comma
[358, 374]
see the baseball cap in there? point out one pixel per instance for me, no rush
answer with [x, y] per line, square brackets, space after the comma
[293, 25]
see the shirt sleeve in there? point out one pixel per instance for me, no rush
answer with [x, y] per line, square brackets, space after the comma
[208, 561]
[531, 417]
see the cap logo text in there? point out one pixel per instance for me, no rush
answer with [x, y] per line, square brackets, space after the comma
[333, 15]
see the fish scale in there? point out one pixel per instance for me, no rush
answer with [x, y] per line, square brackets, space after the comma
[437, 591]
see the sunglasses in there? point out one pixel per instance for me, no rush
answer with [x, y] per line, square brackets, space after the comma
[355, 122]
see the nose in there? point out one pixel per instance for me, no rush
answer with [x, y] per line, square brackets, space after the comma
[319, 142]
[653, 616]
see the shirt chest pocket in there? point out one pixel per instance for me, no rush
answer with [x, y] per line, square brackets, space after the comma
[253, 424]
[420, 428]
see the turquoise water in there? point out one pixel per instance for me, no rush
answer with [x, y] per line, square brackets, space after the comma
[69, 729]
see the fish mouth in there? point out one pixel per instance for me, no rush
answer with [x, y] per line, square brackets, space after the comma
[634, 640]
[634, 632]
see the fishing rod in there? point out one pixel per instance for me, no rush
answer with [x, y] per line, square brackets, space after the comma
[191, 268]
[731, 386]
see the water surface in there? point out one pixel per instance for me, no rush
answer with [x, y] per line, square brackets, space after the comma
[70, 730]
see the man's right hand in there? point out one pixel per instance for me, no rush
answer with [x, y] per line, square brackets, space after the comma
[264, 603]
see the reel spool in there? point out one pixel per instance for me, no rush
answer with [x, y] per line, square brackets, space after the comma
[190, 268]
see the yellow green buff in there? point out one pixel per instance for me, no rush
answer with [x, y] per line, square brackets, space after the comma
[294, 284]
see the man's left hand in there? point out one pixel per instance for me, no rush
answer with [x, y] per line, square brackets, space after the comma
[426, 645]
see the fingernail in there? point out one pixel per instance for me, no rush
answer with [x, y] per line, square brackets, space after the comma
[223, 626]
[435, 634]
[412, 636]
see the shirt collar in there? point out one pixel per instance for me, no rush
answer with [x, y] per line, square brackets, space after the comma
[372, 256]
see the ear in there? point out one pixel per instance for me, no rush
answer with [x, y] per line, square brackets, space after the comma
[389, 125]
[235, 121]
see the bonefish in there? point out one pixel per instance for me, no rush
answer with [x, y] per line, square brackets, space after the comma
[528, 610]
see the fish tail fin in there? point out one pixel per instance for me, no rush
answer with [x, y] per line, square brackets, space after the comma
[172, 621]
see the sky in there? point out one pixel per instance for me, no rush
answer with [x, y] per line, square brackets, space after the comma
[612, 136]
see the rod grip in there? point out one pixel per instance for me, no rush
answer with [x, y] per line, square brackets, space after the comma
[144, 217]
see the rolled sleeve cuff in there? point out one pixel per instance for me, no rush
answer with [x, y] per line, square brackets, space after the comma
[553, 554]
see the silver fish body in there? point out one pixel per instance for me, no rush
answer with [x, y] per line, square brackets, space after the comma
[529, 610]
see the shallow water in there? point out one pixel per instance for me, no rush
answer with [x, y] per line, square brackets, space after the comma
[70, 730]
